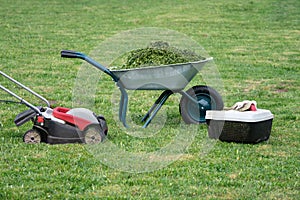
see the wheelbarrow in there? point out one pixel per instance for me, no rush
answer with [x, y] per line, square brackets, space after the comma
[58, 125]
[169, 78]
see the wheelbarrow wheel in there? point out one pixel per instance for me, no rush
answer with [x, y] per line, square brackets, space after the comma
[93, 134]
[207, 98]
[32, 136]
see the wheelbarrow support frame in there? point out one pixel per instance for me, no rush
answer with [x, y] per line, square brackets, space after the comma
[124, 94]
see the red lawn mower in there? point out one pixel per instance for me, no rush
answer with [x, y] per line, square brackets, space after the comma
[57, 125]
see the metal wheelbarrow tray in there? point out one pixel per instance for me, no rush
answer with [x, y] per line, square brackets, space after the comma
[169, 78]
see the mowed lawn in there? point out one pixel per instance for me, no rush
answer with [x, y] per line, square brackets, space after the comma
[255, 46]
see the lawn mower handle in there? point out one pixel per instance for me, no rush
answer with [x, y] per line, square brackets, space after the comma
[74, 54]
[25, 88]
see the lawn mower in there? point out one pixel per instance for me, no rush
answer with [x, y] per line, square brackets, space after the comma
[57, 125]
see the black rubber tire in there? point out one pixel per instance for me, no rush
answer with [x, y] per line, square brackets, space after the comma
[208, 99]
[93, 134]
[32, 136]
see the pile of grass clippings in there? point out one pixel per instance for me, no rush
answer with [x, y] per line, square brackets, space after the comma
[159, 53]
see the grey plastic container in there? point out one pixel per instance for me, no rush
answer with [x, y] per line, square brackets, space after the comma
[241, 127]
[165, 77]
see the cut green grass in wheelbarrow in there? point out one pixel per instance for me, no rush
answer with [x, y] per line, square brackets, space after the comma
[156, 54]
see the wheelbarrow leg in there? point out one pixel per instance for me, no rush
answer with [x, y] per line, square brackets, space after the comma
[156, 107]
[123, 106]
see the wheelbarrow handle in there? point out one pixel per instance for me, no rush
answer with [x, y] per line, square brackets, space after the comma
[71, 54]
[74, 54]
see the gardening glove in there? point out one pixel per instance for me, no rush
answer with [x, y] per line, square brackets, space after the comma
[242, 106]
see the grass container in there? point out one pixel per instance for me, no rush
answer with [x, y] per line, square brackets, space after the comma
[242, 127]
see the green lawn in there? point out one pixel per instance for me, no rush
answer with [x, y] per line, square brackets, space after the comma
[255, 45]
